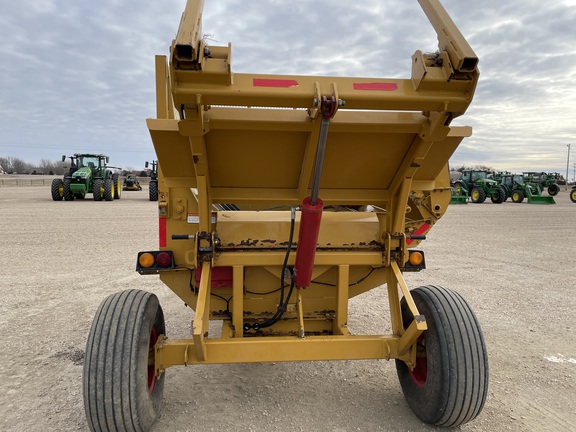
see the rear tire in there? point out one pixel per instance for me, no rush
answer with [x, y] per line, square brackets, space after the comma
[68, 194]
[153, 190]
[117, 186]
[478, 195]
[120, 389]
[517, 196]
[57, 189]
[573, 195]
[98, 190]
[553, 189]
[449, 384]
[499, 196]
[109, 190]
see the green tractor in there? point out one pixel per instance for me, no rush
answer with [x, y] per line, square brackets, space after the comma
[153, 188]
[88, 173]
[518, 188]
[545, 180]
[479, 186]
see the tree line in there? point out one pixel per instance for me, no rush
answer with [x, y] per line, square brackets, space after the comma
[14, 165]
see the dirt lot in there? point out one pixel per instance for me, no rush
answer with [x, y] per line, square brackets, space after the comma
[513, 262]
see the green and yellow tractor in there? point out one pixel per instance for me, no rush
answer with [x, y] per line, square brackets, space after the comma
[479, 186]
[88, 173]
[517, 188]
[551, 181]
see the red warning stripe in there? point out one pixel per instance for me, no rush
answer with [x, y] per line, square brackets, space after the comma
[283, 83]
[162, 232]
[376, 86]
[423, 228]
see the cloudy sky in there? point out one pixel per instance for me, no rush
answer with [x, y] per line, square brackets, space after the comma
[78, 76]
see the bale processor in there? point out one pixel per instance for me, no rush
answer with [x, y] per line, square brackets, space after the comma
[280, 199]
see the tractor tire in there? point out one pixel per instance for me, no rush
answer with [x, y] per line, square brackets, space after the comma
[153, 191]
[478, 195]
[573, 195]
[449, 384]
[499, 196]
[57, 189]
[98, 190]
[459, 188]
[553, 189]
[117, 186]
[109, 190]
[517, 196]
[68, 194]
[120, 389]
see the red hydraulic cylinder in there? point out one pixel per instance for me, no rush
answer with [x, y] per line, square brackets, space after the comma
[307, 240]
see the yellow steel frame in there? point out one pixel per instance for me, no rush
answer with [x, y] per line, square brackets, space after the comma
[252, 140]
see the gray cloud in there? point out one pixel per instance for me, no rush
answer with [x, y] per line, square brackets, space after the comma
[79, 76]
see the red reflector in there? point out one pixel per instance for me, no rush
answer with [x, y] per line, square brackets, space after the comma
[221, 277]
[163, 259]
[162, 232]
[376, 86]
[261, 82]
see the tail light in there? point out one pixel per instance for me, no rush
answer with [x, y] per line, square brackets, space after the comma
[416, 261]
[151, 262]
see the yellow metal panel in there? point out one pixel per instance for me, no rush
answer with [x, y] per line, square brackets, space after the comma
[250, 141]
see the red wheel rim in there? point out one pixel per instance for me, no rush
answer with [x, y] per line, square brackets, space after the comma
[151, 368]
[420, 371]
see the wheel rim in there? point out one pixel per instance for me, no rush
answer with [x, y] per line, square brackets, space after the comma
[475, 194]
[420, 372]
[515, 197]
[151, 368]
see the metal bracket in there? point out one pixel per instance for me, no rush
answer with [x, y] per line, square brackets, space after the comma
[204, 247]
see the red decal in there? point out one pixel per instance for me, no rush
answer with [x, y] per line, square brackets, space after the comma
[425, 227]
[376, 86]
[162, 232]
[261, 82]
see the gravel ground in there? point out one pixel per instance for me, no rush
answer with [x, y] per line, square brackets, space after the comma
[514, 263]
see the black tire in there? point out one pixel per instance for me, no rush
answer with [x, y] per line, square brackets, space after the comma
[121, 392]
[109, 190]
[68, 194]
[57, 189]
[478, 195]
[153, 190]
[460, 189]
[553, 189]
[517, 196]
[98, 190]
[117, 186]
[499, 196]
[573, 195]
[449, 385]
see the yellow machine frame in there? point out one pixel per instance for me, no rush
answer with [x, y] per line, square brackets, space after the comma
[252, 141]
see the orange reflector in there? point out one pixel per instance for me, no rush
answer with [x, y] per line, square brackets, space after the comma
[416, 258]
[146, 260]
